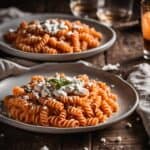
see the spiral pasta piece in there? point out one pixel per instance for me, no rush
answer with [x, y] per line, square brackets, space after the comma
[84, 45]
[17, 102]
[52, 103]
[43, 42]
[78, 115]
[88, 38]
[64, 47]
[54, 121]
[25, 47]
[63, 114]
[43, 116]
[95, 33]
[30, 40]
[37, 78]
[75, 42]
[88, 110]
[114, 106]
[72, 100]
[69, 123]
[18, 91]
[52, 42]
[106, 108]
[97, 102]
[14, 112]
[61, 33]
[48, 50]
[92, 121]
[10, 37]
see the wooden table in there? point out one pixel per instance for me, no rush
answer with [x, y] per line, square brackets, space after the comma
[125, 51]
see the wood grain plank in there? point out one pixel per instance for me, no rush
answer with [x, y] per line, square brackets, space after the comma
[132, 138]
[98, 60]
[16, 139]
[58, 6]
[121, 147]
[128, 46]
[76, 141]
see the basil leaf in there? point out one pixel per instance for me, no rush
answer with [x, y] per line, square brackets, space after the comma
[58, 83]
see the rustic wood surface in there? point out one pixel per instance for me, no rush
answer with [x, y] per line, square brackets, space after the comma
[126, 51]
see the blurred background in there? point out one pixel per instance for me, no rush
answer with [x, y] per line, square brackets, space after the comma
[49, 5]
[38, 5]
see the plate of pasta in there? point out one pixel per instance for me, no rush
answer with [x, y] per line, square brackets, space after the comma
[55, 37]
[65, 98]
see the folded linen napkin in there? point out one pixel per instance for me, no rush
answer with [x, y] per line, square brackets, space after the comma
[6, 15]
[10, 13]
[140, 78]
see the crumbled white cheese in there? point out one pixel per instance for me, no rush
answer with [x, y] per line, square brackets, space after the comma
[2, 135]
[89, 83]
[63, 26]
[118, 139]
[121, 147]
[26, 97]
[85, 148]
[137, 119]
[45, 107]
[112, 85]
[56, 86]
[44, 93]
[110, 67]
[60, 92]
[128, 125]
[53, 26]
[36, 94]
[44, 148]
[81, 91]
[76, 26]
[68, 89]
[69, 33]
[75, 87]
[103, 140]
[11, 30]
[37, 88]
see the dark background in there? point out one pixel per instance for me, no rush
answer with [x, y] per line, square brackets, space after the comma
[38, 5]
[49, 5]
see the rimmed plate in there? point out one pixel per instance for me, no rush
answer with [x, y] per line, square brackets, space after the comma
[109, 37]
[127, 96]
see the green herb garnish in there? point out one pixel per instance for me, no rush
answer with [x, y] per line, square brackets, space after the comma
[58, 83]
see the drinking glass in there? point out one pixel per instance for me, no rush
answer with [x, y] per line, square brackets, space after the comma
[145, 21]
[113, 12]
[84, 8]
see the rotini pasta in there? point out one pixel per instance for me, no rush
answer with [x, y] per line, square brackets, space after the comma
[53, 36]
[62, 101]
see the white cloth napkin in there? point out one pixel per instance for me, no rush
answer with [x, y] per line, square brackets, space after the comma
[140, 79]
[10, 13]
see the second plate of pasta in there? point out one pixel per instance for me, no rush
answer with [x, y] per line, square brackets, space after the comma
[55, 37]
[65, 98]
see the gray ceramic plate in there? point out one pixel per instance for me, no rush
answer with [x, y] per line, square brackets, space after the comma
[128, 98]
[109, 37]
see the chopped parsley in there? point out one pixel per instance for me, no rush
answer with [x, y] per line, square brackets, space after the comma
[58, 83]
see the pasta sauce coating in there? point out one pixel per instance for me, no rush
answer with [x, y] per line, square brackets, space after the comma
[62, 101]
[53, 36]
